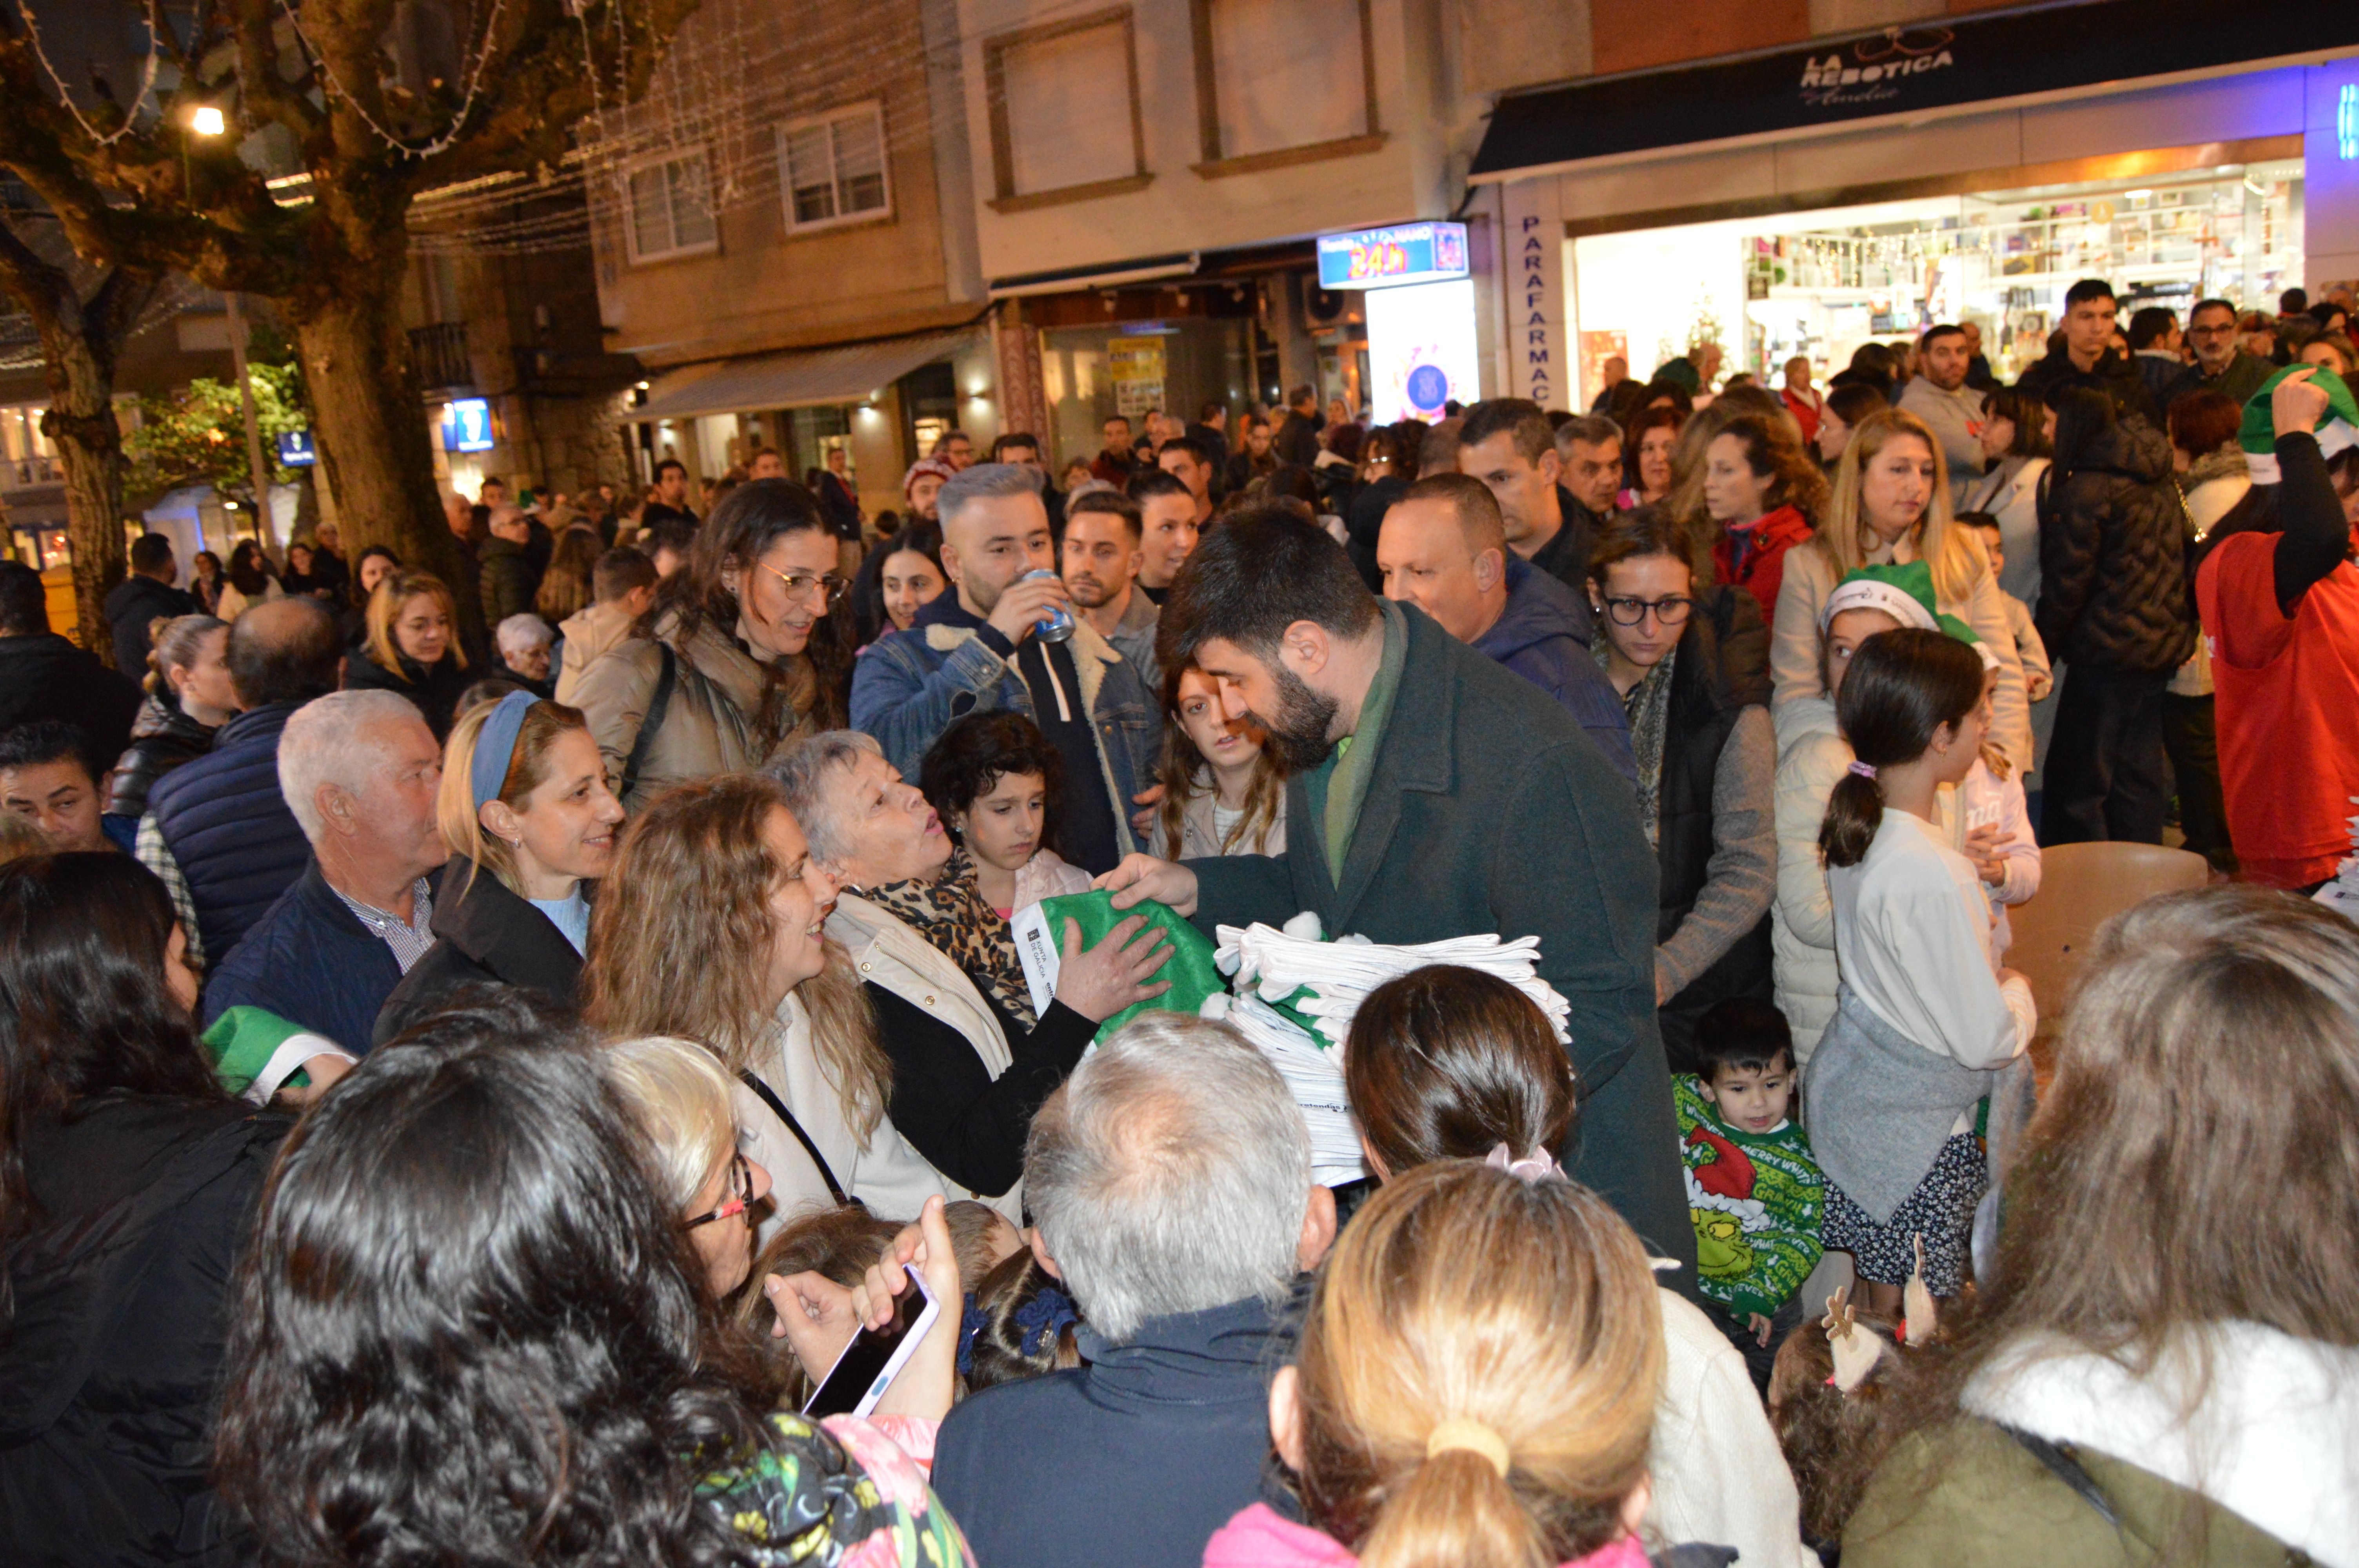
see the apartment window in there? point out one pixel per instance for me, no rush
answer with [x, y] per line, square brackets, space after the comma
[670, 209]
[1065, 119]
[1283, 81]
[831, 167]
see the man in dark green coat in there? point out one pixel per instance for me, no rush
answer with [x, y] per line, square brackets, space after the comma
[1432, 793]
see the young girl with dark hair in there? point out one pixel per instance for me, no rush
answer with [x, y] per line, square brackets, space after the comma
[995, 779]
[1924, 1023]
[127, 1182]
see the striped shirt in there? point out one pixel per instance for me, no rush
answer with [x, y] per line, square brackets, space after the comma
[408, 938]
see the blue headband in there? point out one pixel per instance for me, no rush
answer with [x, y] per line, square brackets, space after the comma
[495, 747]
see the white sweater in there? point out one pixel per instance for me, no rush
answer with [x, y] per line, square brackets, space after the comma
[1912, 935]
[1718, 1474]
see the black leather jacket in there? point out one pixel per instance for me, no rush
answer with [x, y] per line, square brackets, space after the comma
[161, 740]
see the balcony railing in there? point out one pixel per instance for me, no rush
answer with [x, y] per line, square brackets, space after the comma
[25, 473]
[440, 353]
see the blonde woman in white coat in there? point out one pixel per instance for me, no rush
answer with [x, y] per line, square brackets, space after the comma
[1891, 502]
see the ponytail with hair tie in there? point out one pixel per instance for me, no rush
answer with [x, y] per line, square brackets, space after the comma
[1902, 685]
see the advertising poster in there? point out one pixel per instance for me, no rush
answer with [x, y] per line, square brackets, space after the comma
[1135, 367]
[1421, 349]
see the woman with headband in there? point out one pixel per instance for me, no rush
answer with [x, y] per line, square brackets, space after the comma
[525, 806]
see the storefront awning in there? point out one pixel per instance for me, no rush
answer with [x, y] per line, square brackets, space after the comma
[1905, 71]
[807, 379]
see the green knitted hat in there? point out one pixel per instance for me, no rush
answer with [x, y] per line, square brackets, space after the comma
[2337, 429]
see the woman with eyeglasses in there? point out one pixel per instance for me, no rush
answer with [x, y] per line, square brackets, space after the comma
[741, 654]
[1707, 763]
[680, 1096]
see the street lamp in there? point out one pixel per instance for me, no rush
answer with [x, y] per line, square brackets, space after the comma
[207, 121]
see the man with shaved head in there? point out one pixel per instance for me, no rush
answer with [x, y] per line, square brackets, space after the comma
[1443, 548]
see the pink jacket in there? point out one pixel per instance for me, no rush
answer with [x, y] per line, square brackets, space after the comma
[1258, 1538]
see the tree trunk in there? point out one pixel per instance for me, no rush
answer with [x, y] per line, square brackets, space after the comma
[91, 446]
[370, 423]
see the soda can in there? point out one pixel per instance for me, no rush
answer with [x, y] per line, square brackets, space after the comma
[1060, 626]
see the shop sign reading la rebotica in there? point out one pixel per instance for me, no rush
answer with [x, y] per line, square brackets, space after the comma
[1873, 70]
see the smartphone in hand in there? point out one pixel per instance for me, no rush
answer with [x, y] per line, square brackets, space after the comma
[875, 1356]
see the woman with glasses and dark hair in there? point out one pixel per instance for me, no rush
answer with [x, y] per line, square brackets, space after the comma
[466, 1332]
[127, 1182]
[740, 656]
[1707, 765]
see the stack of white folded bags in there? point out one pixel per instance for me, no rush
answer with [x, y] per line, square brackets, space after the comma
[1269, 966]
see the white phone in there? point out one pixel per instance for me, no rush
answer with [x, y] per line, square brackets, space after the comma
[875, 1356]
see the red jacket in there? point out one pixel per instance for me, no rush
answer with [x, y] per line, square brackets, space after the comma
[1751, 555]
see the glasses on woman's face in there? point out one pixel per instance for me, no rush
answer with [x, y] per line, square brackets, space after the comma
[801, 587]
[1669, 610]
[740, 1192]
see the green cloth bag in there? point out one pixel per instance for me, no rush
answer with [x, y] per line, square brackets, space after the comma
[247, 1043]
[1189, 968]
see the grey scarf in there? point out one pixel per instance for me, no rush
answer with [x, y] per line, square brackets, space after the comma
[1649, 708]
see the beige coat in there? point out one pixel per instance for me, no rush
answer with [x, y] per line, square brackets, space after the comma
[1794, 642]
[1803, 920]
[708, 728]
[588, 634]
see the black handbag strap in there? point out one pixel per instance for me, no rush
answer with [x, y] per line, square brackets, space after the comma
[779, 1109]
[654, 720]
[2067, 1469]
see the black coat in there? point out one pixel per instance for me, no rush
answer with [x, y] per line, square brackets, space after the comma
[2116, 376]
[969, 1125]
[1566, 559]
[162, 739]
[2114, 584]
[1490, 809]
[484, 934]
[435, 691]
[1363, 524]
[45, 676]
[1707, 695]
[507, 583]
[131, 604]
[111, 1368]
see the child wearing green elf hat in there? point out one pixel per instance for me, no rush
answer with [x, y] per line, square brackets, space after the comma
[1988, 819]
[2279, 600]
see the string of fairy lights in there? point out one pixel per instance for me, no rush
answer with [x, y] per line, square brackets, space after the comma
[732, 75]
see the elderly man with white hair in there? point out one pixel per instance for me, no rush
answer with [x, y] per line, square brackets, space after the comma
[1171, 1181]
[359, 770]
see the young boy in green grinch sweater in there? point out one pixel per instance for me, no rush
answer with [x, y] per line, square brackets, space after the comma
[1755, 1192]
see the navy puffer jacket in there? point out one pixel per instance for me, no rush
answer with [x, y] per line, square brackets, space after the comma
[228, 828]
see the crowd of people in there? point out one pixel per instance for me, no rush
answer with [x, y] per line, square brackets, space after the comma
[474, 1054]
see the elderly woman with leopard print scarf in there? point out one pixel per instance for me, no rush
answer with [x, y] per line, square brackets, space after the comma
[968, 1071]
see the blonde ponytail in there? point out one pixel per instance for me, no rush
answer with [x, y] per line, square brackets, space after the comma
[1482, 1402]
